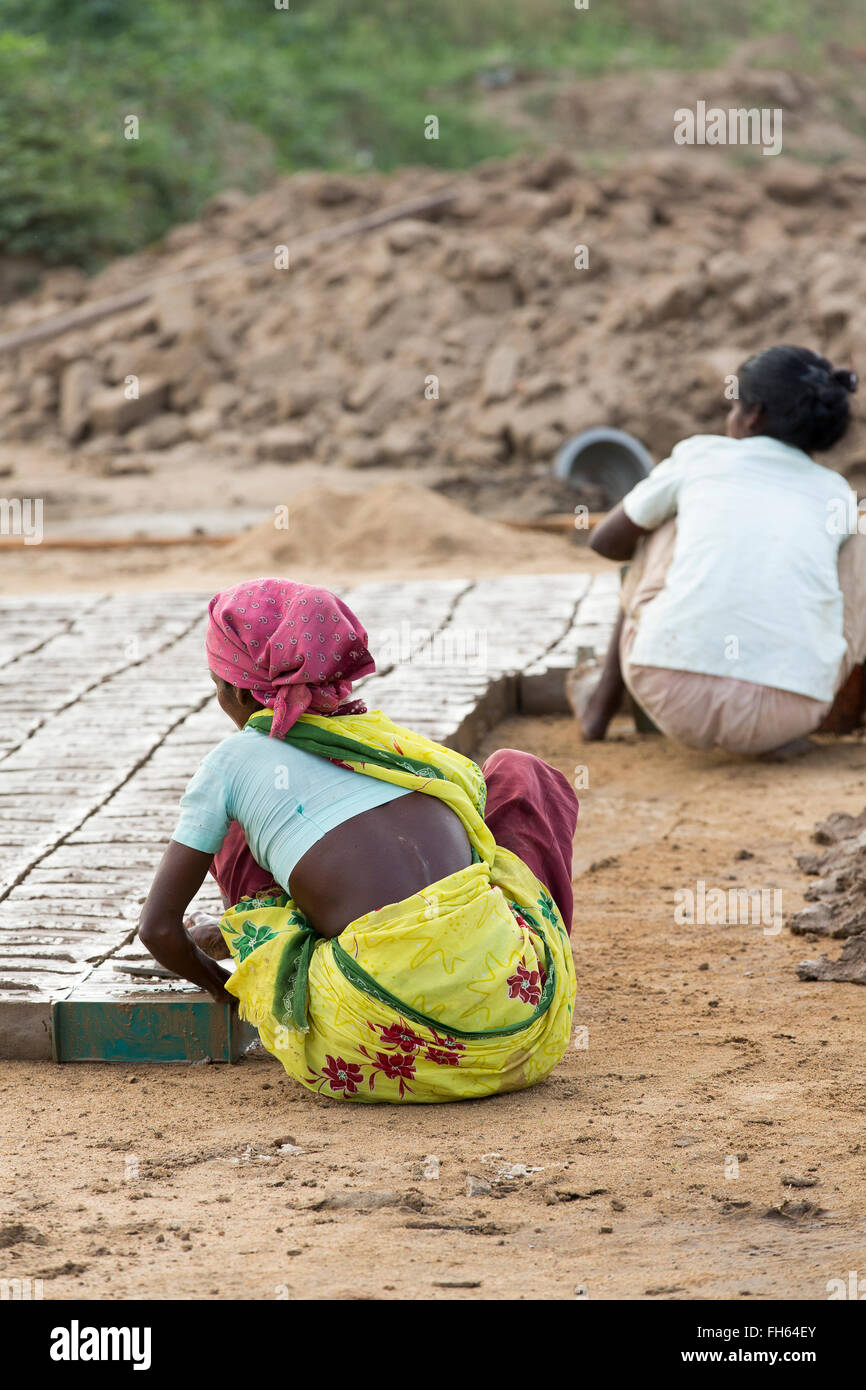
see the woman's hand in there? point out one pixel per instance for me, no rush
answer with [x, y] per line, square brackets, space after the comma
[161, 929]
[204, 930]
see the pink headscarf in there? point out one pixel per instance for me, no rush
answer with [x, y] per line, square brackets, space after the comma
[296, 647]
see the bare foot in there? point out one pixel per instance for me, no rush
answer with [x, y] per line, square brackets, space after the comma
[796, 748]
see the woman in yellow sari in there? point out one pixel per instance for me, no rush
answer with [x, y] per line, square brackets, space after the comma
[398, 917]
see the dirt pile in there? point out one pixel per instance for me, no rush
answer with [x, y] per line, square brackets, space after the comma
[395, 523]
[544, 299]
[837, 901]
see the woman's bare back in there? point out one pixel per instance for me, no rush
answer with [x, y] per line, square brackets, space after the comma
[380, 856]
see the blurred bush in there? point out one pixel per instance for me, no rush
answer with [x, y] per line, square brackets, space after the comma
[229, 92]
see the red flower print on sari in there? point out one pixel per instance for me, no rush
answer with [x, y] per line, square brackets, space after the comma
[396, 1066]
[442, 1059]
[445, 1051]
[342, 1076]
[400, 1035]
[447, 1042]
[525, 984]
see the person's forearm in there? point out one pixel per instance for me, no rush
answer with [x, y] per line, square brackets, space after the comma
[173, 948]
[615, 548]
[616, 538]
[613, 544]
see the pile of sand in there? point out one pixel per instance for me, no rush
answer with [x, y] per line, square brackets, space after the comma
[394, 526]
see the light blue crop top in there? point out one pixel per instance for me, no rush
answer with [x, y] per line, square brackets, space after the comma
[285, 799]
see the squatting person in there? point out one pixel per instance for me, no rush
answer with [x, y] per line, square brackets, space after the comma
[744, 607]
[399, 918]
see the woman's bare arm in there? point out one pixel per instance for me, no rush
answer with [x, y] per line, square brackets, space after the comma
[617, 536]
[161, 929]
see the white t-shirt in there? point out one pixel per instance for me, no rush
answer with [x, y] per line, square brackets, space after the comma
[753, 588]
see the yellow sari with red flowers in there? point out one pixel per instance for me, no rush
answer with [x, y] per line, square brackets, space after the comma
[465, 989]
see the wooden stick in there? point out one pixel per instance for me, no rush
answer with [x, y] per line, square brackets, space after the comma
[559, 521]
[111, 542]
[115, 304]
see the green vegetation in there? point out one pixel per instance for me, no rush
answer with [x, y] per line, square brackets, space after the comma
[229, 92]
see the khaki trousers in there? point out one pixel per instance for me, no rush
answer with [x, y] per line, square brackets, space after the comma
[720, 711]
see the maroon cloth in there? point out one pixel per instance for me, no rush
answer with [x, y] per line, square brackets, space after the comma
[531, 810]
[237, 873]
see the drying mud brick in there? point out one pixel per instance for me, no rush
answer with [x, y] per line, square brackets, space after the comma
[78, 383]
[285, 444]
[500, 374]
[111, 410]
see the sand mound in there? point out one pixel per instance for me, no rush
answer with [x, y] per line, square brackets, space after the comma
[392, 525]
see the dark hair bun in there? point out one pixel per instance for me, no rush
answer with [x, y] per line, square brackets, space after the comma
[844, 378]
[803, 397]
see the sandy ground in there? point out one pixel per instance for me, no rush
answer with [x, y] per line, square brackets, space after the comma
[703, 1047]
